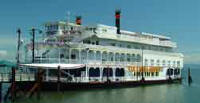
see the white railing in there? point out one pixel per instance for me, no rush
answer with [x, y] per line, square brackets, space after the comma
[78, 61]
[123, 50]
[168, 43]
[6, 77]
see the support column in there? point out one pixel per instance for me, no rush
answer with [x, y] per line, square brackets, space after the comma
[101, 56]
[114, 70]
[58, 79]
[1, 99]
[101, 73]
[87, 56]
[13, 94]
[125, 59]
[86, 74]
[95, 56]
[87, 65]
[39, 81]
[114, 56]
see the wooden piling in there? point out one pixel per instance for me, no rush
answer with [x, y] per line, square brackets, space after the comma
[189, 77]
[39, 80]
[58, 79]
[1, 100]
[13, 84]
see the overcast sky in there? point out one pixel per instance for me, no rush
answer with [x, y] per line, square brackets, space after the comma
[179, 19]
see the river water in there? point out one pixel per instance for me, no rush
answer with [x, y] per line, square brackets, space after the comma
[164, 93]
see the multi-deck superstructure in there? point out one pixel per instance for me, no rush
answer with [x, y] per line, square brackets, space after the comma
[100, 53]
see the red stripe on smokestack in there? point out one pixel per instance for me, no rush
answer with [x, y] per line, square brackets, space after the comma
[117, 16]
[117, 20]
[78, 20]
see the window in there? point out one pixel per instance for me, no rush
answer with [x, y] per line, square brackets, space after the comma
[86, 41]
[71, 28]
[148, 74]
[104, 30]
[157, 74]
[169, 63]
[152, 62]
[73, 56]
[158, 62]
[163, 63]
[128, 46]
[174, 63]
[97, 42]
[138, 58]
[152, 73]
[62, 55]
[112, 44]
[146, 62]
[93, 43]
[178, 63]
[122, 57]
[133, 57]
[128, 58]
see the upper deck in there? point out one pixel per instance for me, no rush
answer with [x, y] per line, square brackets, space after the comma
[78, 33]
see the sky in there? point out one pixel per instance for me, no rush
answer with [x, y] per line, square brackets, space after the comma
[179, 19]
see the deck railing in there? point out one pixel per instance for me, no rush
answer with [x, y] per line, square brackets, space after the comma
[78, 61]
[6, 77]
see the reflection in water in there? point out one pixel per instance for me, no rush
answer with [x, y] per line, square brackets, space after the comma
[166, 93]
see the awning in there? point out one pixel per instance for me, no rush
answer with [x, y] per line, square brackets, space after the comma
[54, 66]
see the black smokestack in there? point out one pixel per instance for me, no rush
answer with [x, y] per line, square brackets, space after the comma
[117, 20]
[78, 20]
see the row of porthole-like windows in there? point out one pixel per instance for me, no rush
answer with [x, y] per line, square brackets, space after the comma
[153, 62]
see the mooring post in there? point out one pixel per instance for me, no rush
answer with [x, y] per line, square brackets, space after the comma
[189, 77]
[39, 80]
[58, 79]
[1, 100]
[2, 77]
[13, 84]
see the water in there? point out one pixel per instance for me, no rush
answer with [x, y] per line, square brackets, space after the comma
[164, 93]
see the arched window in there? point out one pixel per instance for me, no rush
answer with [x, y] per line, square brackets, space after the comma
[146, 62]
[104, 56]
[91, 55]
[163, 62]
[158, 62]
[119, 72]
[117, 57]
[128, 57]
[133, 58]
[111, 56]
[169, 63]
[174, 64]
[98, 55]
[138, 58]
[122, 57]
[94, 72]
[107, 72]
[152, 62]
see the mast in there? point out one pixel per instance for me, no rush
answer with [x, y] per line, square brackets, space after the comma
[33, 45]
[18, 46]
